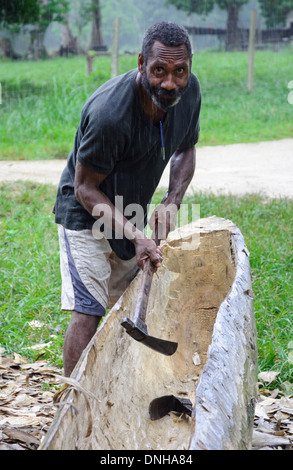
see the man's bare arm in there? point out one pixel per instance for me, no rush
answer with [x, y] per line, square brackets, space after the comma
[182, 167]
[88, 193]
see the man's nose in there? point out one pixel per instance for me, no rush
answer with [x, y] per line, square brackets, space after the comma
[168, 83]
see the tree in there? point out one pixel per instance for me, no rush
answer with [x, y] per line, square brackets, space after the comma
[80, 17]
[52, 10]
[68, 41]
[14, 13]
[131, 15]
[49, 10]
[19, 11]
[231, 6]
[96, 38]
[193, 6]
[232, 33]
[275, 12]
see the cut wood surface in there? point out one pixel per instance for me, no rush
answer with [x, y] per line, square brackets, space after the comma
[201, 298]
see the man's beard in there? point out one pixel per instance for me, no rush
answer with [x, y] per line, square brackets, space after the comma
[163, 98]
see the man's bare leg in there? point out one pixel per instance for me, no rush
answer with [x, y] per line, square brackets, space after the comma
[80, 331]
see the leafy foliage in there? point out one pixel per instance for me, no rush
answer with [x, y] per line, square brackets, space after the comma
[19, 11]
[52, 10]
[196, 6]
[275, 12]
[193, 6]
[33, 11]
[231, 6]
[226, 4]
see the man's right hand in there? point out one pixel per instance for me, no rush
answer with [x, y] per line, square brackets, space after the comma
[146, 248]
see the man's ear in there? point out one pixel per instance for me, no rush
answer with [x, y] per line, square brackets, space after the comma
[140, 62]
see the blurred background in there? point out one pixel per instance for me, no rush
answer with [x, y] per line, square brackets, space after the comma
[38, 28]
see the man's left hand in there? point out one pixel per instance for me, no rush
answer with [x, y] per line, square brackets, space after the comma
[166, 216]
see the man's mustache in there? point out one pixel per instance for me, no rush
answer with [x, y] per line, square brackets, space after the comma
[162, 92]
[162, 97]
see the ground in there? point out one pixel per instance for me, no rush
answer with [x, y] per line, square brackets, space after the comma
[265, 167]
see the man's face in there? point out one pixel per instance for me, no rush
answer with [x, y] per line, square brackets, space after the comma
[166, 74]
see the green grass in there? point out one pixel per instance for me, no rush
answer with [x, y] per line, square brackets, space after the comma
[30, 278]
[42, 101]
[230, 113]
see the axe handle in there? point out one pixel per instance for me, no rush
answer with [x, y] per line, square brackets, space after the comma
[144, 290]
[146, 282]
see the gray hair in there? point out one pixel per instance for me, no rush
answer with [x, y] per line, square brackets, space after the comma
[168, 33]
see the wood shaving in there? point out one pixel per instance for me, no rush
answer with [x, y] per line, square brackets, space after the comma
[26, 401]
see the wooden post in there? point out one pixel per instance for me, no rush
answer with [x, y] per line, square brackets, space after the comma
[89, 64]
[115, 47]
[251, 50]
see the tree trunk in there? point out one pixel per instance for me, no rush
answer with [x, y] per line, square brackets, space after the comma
[96, 38]
[232, 33]
[68, 42]
[80, 49]
[37, 48]
[6, 48]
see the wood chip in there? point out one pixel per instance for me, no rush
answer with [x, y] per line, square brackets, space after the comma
[26, 408]
[273, 423]
[261, 439]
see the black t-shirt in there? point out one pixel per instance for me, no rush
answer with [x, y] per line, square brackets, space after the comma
[116, 138]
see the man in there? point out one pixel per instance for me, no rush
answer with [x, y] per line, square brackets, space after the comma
[130, 128]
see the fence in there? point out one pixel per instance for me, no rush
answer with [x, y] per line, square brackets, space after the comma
[114, 53]
[264, 37]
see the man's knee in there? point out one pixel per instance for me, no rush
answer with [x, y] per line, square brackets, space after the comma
[85, 321]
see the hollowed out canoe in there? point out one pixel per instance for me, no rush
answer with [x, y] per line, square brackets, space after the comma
[201, 298]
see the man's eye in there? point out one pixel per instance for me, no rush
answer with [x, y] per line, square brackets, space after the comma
[159, 69]
[180, 70]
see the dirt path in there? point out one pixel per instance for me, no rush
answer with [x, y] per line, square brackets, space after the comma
[265, 167]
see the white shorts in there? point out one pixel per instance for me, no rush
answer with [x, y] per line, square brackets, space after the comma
[93, 277]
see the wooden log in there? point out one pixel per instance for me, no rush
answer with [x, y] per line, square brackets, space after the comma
[226, 394]
[201, 298]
